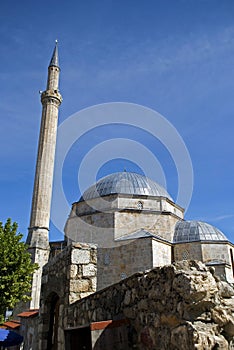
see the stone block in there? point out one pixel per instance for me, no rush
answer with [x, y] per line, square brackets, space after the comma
[83, 295]
[78, 286]
[73, 297]
[89, 270]
[73, 271]
[79, 256]
[94, 284]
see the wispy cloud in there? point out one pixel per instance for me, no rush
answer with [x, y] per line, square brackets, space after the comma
[157, 57]
[216, 218]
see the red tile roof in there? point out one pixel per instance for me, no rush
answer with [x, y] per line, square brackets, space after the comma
[12, 324]
[108, 324]
[29, 313]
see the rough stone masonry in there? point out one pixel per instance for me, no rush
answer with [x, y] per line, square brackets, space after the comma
[181, 306]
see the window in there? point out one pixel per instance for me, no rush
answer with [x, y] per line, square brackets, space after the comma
[139, 205]
[185, 255]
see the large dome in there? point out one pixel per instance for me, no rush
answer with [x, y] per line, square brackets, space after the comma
[125, 183]
[189, 231]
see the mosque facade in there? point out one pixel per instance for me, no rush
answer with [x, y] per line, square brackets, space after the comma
[129, 220]
[133, 220]
[137, 226]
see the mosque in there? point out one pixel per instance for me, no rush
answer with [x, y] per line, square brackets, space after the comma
[131, 220]
[137, 226]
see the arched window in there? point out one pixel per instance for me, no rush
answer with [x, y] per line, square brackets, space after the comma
[185, 255]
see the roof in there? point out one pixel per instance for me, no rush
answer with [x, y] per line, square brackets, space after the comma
[125, 183]
[141, 234]
[216, 263]
[189, 231]
[13, 324]
[55, 59]
[29, 313]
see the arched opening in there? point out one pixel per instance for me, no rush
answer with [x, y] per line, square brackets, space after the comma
[52, 343]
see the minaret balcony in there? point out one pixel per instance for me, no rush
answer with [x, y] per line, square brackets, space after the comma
[51, 96]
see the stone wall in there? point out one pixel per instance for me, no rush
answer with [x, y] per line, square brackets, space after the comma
[68, 277]
[214, 252]
[97, 228]
[181, 306]
[29, 330]
[187, 251]
[102, 220]
[115, 264]
[161, 224]
[161, 253]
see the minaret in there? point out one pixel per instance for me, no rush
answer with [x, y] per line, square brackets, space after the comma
[38, 238]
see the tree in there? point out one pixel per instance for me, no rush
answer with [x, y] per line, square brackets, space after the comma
[16, 267]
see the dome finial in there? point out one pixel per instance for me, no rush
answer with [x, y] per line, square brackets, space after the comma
[54, 60]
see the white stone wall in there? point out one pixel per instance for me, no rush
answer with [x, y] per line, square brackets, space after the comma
[107, 203]
[161, 253]
[97, 228]
[186, 251]
[215, 251]
[157, 223]
[101, 220]
[115, 264]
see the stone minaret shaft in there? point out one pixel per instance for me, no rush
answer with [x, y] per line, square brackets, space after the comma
[38, 239]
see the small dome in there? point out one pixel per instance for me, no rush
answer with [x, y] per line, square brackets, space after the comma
[125, 183]
[189, 231]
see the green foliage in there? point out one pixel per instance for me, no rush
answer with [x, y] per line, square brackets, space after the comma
[16, 267]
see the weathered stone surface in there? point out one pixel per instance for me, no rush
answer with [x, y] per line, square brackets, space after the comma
[73, 271]
[175, 307]
[70, 276]
[89, 270]
[179, 306]
[77, 286]
[225, 289]
[80, 256]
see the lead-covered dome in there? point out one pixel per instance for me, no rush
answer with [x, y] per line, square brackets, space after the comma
[188, 231]
[125, 183]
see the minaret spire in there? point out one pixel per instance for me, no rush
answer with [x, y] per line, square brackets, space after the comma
[55, 59]
[38, 239]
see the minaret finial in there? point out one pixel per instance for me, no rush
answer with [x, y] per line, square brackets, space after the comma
[54, 60]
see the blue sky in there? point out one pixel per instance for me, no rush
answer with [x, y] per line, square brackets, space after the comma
[173, 56]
